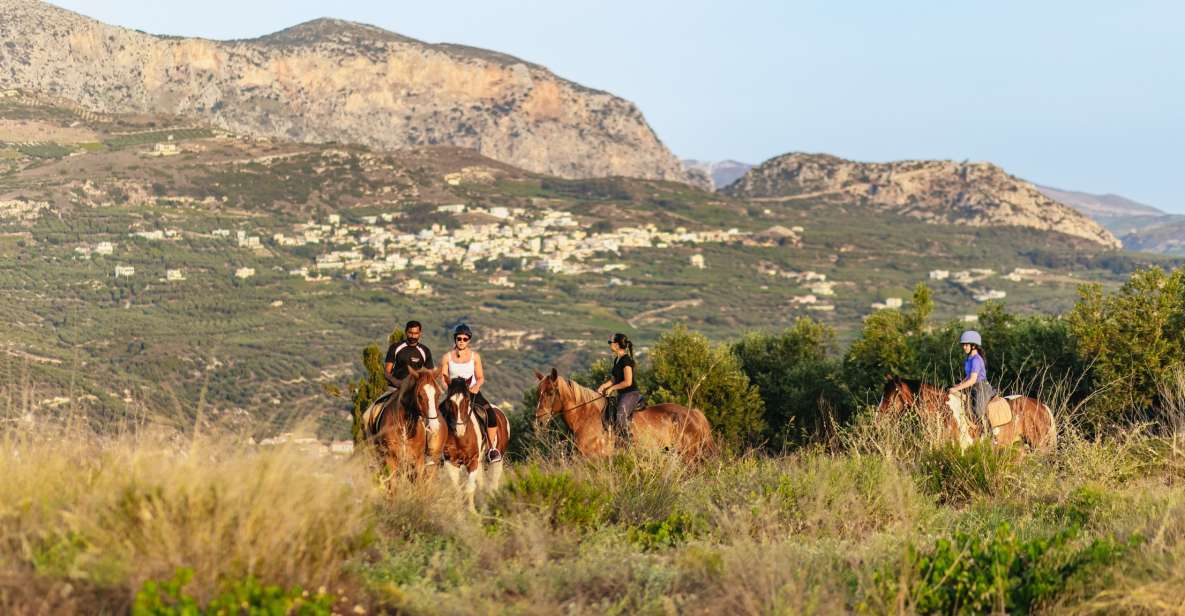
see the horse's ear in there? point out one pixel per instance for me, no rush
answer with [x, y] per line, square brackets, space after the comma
[538, 375]
[554, 376]
[888, 376]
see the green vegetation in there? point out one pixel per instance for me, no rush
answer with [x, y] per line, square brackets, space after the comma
[873, 525]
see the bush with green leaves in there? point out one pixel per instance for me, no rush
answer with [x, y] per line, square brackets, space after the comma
[247, 596]
[799, 379]
[997, 573]
[1132, 339]
[957, 475]
[685, 368]
[671, 531]
[561, 497]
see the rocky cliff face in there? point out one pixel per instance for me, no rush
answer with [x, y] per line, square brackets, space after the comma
[330, 80]
[976, 194]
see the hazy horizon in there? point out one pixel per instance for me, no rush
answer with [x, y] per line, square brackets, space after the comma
[1082, 97]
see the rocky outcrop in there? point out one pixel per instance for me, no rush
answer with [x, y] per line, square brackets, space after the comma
[938, 191]
[330, 80]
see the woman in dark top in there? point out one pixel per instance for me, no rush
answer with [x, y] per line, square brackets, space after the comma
[622, 380]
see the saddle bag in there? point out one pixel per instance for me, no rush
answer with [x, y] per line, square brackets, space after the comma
[999, 412]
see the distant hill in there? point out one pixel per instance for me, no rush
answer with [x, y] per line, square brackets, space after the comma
[718, 173]
[148, 263]
[1140, 227]
[336, 81]
[975, 194]
[1099, 206]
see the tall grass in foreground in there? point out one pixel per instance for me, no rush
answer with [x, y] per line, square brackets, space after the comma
[886, 520]
[81, 513]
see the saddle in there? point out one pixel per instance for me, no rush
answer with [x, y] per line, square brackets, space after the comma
[609, 415]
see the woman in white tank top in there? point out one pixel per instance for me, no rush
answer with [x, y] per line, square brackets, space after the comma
[464, 363]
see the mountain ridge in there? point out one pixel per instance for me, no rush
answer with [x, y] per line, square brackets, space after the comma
[332, 80]
[974, 194]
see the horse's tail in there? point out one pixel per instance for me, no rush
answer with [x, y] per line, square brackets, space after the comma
[706, 445]
[1051, 429]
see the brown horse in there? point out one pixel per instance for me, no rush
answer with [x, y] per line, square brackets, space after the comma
[465, 447]
[406, 428]
[1030, 421]
[661, 426]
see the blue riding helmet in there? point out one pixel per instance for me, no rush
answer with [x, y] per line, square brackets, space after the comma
[971, 337]
[463, 329]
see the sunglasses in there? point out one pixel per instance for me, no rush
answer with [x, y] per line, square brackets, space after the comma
[611, 343]
[462, 338]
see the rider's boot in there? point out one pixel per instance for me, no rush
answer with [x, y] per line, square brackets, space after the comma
[493, 455]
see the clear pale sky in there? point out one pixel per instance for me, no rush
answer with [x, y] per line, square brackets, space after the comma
[1079, 95]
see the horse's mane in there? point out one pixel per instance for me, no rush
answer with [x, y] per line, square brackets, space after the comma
[914, 385]
[457, 386]
[581, 394]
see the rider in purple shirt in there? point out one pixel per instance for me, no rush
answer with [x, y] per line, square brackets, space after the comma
[975, 377]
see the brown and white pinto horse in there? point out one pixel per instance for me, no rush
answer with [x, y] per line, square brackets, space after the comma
[406, 427]
[465, 447]
[1032, 422]
[661, 426]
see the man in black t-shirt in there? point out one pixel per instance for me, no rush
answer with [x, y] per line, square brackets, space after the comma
[406, 354]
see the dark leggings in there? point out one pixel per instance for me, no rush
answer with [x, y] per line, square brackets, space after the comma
[981, 394]
[626, 402]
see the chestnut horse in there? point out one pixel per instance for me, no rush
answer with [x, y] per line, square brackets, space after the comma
[406, 428]
[661, 426]
[465, 445]
[1032, 422]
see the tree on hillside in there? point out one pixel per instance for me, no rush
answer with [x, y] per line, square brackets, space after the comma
[799, 380]
[371, 385]
[686, 369]
[1133, 338]
[891, 342]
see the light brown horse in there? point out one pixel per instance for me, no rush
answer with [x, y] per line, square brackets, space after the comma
[464, 445]
[1031, 422]
[406, 430]
[661, 426]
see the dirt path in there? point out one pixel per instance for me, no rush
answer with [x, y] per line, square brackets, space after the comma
[651, 316]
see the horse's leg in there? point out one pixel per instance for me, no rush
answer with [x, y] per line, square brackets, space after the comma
[472, 482]
[454, 473]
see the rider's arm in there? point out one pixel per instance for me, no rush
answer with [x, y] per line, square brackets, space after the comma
[971, 380]
[389, 373]
[478, 376]
[628, 379]
[604, 388]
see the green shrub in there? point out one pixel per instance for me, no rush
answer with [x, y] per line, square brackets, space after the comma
[686, 369]
[798, 379]
[1132, 339]
[239, 597]
[956, 476]
[562, 498]
[999, 573]
[668, 532]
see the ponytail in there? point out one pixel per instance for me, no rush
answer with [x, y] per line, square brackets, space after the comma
[624, 342]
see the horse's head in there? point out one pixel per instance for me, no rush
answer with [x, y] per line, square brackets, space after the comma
[896, 396]
[425, 393]
[456, 401]
[550, 401]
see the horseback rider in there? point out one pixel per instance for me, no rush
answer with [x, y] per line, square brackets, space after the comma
[407, 354]
[464, 363]
[621, 379]
[975, 377]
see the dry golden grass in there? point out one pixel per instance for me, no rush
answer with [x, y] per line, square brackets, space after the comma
[114, 512]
